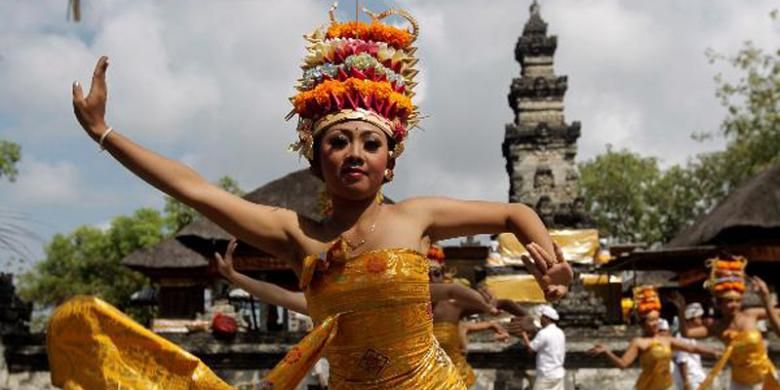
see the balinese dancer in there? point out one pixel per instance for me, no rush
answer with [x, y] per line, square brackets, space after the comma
[751, 368]
[447, 316]
[654, 351]
[361, 270]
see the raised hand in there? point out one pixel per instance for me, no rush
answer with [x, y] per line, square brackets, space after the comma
[225, 265]
[552, 273]
[597, 349]
[760, 287]
[91, 111]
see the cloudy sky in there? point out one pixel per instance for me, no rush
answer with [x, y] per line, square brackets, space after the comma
[206, 82]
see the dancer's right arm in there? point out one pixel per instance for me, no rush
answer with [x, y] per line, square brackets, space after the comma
[264, 227]
[263, 291]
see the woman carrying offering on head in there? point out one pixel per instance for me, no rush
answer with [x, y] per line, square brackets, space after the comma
[654, 350]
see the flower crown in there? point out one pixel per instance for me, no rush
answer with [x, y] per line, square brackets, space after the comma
[357, 71]
[646, 300]
[727, 276]
[436, 253]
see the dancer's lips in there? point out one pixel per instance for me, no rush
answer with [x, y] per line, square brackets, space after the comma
[353, 172]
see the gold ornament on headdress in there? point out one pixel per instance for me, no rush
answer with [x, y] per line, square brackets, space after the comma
[357, 71]
[727, 277]
[646, 300]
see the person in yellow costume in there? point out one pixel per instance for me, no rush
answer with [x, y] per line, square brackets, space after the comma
[361, 270]
[654, 350]
[751, 368]
[450, 332]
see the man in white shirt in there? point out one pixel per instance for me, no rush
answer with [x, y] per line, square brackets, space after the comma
[688, 372]
[549, 345]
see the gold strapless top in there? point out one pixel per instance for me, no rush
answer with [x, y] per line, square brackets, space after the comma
[448, 336]
[374, 325]
[749, 360]
[655, 364]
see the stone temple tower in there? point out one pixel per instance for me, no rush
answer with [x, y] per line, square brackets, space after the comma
[539, 146]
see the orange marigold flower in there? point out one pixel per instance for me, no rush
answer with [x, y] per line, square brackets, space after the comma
[319, 101]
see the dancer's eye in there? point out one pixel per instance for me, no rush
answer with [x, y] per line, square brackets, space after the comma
[338, 142]
[372, 145]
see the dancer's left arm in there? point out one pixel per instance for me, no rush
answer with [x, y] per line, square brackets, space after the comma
[768, 311]
[444, 218]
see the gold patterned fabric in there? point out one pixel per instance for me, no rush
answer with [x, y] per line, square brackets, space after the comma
[92, 345]
[750, 364]
[448, 335]
[382, 332]
[655, 364]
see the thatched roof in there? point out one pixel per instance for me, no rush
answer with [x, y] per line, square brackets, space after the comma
[298, 191]
[749, 214]
[169, 253]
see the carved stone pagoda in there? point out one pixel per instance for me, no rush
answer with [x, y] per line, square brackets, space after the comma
[539, 146]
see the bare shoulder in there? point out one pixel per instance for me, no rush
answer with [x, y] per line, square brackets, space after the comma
[418, 203]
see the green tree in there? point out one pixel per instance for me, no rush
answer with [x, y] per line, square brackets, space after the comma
[178, 215]
[88, 261]
[631, 199]
[10, 154]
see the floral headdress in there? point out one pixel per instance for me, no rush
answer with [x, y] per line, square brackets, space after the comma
[436, 253]
[357, 71]
[646, 300]
[727, 276]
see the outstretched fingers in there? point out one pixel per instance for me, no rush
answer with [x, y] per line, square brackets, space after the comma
[98, 87]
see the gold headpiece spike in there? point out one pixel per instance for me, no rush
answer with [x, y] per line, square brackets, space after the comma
[374, 17]
[331, 11]
[401, 13]
[411, 50]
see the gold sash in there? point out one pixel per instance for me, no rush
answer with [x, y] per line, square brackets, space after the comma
[92, 345]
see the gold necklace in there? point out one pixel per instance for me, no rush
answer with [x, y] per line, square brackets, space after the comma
[362, 241]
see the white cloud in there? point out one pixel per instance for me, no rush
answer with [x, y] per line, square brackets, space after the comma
[42, 183]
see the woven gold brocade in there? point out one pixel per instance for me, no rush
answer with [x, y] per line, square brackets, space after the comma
[749, 361]
[448, 335]
[655, 364]
[92, 345]
[383, 338]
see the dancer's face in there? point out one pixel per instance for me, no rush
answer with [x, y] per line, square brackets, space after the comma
[435, 272]
[353, 157]
[650, 323]
[730, 305]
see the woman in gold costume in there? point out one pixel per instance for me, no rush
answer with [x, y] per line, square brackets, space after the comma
[448, 328]
[751, 368]
[654, 350]
[361, 270]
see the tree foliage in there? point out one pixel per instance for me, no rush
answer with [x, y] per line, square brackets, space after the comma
[88, 259]
[632, 199]
[10, 154]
